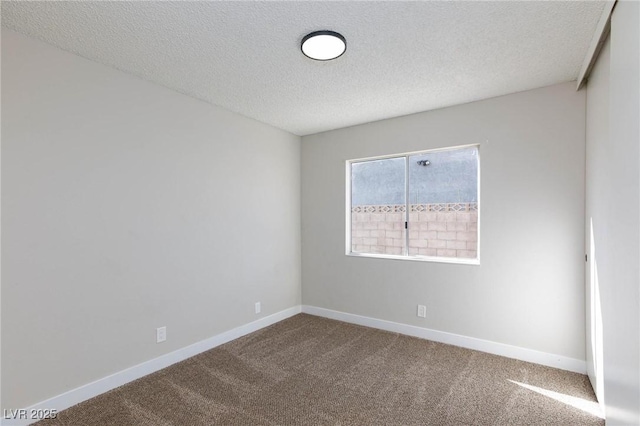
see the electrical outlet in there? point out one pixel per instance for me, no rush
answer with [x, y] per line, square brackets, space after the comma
[161, 334]
[258, 307]
[422, 311]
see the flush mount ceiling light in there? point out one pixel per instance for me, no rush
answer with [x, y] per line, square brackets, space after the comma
[323, 45]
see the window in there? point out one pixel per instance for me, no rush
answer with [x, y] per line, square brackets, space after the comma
[421, 206]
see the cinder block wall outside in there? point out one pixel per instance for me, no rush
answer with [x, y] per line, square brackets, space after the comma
[441, 230]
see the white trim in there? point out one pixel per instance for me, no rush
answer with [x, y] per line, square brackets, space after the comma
[523, 354]
[410, 153]
[418, 258]
[347, 210]
[599, 37]
[90, 390]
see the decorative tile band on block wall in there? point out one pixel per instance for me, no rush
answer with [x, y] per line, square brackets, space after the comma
[438, 230]
[401, 208]
[444, 207]
[394, 208]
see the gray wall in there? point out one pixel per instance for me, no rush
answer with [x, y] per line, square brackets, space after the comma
[613, 217]
[529, 289]
[126, 207]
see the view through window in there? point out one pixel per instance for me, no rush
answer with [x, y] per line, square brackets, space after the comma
[421, 205]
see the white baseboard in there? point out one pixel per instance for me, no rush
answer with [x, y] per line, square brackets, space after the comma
[523, 354]
[90, 390]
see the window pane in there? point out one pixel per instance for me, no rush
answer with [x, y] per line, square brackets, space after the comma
[443, 203]
[378, 206]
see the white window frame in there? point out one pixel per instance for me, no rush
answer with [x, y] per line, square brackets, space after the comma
[406, 256]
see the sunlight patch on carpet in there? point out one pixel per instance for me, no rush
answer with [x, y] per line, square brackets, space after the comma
[590, 407]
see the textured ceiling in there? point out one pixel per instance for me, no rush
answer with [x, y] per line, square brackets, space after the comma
[402, 57]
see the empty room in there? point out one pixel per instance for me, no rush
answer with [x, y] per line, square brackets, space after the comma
[320, 213]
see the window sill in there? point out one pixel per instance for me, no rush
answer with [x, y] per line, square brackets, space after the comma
[454, 260]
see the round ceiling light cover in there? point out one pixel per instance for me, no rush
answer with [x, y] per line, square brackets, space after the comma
[323, 45]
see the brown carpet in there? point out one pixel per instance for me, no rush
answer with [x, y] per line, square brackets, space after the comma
[308, 370]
